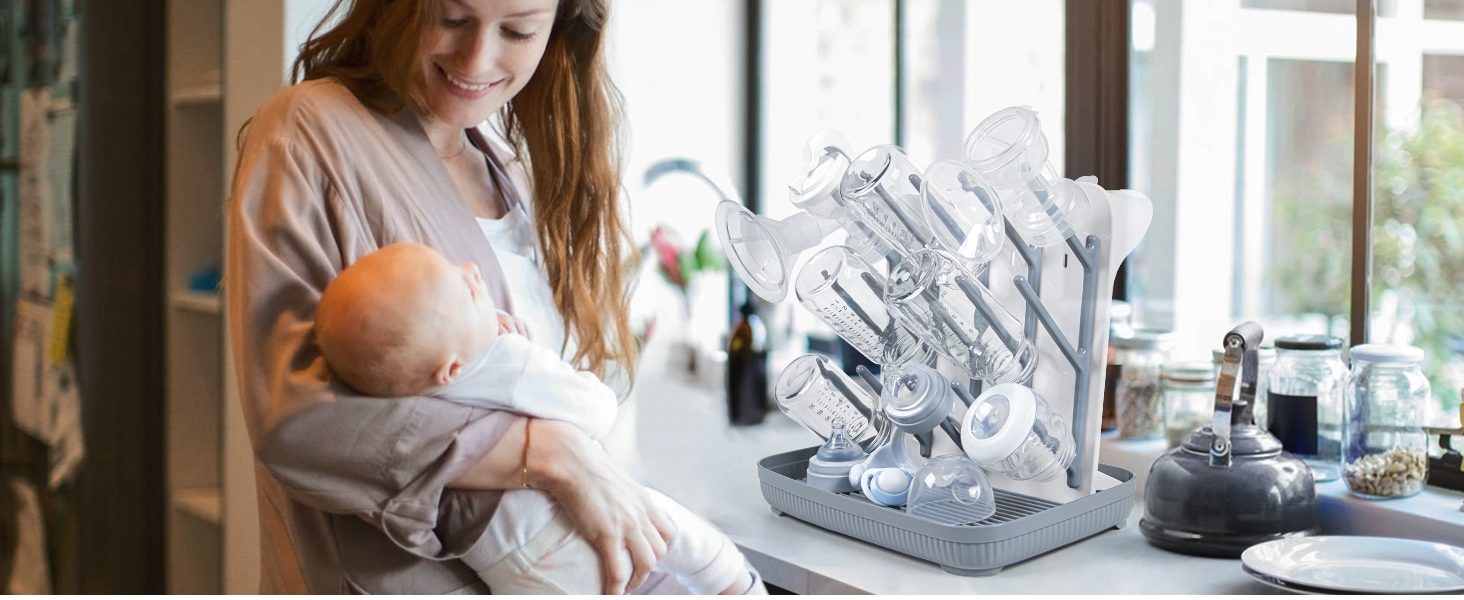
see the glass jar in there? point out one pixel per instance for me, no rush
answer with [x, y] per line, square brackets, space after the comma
[815, 393]
[1138, 396]
[848, 294]
[1189, 398]
[1384, 447]
[1304, 398]
[955, 314]
[1266, 360]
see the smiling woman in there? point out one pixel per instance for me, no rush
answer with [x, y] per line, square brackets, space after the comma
[379, 143]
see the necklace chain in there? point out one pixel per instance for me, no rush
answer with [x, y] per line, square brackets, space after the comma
[462, 147]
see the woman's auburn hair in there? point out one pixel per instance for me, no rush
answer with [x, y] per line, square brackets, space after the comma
[562, 125]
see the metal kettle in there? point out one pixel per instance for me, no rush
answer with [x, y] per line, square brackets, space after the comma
[1229, 486]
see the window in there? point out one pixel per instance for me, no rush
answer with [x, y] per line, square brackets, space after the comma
[917, 73]
[668, 93]
[966, 60]
[1417, 294]
[1250, 169]
[1243, 164]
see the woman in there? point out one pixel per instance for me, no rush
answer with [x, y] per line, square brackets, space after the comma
[379, 145]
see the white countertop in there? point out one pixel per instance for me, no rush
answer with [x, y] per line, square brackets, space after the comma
[689, 452]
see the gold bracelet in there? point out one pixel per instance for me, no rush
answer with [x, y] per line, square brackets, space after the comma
[524, 467]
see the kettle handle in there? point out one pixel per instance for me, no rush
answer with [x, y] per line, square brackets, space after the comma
[1241, 359]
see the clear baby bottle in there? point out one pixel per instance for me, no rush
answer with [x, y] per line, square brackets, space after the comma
[1010, 429]
[848, 294]
[954, 313]
[883, 187]
[814, 393]
[963, 212]
[1010, 149]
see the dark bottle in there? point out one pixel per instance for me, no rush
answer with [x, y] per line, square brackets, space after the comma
[747, 368]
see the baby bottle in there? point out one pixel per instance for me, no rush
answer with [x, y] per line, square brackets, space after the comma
[963, 212]
[1009, 149]
[848, 294]
[954, 313]
[814, 393]
[883, 187]
[828, 470]
[1010, 429]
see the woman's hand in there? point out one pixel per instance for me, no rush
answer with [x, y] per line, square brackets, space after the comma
[609, 509]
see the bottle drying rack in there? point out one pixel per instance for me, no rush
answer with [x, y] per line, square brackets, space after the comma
[1023, 526]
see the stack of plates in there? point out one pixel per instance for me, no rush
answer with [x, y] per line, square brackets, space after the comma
[1356, 564]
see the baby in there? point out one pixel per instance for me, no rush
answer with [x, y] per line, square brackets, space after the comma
[403, 321]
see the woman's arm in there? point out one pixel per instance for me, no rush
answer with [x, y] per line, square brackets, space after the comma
[609, 509]
[384, 460]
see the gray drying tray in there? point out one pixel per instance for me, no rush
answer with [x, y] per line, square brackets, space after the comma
[1022, 527]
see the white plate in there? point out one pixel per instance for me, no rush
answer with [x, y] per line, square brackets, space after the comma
[1375, 565]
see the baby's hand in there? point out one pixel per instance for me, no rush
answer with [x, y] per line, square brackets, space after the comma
[510, 324]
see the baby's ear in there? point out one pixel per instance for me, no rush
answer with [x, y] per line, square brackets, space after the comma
[449, 372]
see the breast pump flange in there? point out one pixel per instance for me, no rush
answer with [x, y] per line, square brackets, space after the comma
[1010, 150]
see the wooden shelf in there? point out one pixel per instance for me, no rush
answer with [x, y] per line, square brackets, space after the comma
[197, 95]
[204, 503]
[200, 302]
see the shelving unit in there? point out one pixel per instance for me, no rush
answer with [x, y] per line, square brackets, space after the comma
[224, 59]
[198, 409]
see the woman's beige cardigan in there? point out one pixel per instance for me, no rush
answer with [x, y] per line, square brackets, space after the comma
[351, 495]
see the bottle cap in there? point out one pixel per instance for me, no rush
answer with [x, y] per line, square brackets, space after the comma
[998, 422]
[1309, 342]
[1385, 353]
[917, 399]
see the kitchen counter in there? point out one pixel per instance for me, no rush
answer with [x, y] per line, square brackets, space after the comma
[688, 451]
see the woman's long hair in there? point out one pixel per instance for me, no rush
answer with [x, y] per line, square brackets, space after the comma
[562, 125]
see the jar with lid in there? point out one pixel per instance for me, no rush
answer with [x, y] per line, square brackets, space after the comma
[1266, 360]
[1137, 395]
[1189, 398]
[1305, 401]
[1385, 451]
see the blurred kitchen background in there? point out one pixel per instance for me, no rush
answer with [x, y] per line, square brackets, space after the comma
[126, 468]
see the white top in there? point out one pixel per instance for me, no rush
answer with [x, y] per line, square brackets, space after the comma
[512, 239]
[1384, 353]
[995, 448]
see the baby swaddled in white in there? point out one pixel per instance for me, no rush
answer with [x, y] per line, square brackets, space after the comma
[402, 321]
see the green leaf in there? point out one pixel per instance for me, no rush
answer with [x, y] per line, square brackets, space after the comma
[708, 259]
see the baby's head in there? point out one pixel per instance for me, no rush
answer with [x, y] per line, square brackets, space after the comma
[402, 321]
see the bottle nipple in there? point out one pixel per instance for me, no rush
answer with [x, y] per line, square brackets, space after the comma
[839, 448]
